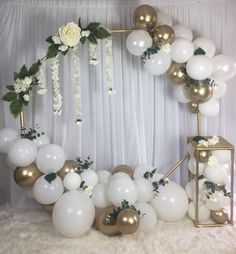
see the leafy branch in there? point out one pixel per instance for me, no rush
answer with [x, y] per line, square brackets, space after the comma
[149, 52]
[32, 134]
[150, 174]
[156, 185]
[84, 164]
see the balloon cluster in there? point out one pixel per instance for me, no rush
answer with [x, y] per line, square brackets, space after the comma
[213, 182]
[197, 75]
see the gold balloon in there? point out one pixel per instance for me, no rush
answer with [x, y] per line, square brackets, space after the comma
[27, 176]
[163, 34]
[48, 208]
[199, 93]
[128, 221]
[203, 156]
[145, 17]
[219, 187]
[103, 224]
[177, 73]
[69, 166]
[125, 169]
[193, 107]
[220, 216]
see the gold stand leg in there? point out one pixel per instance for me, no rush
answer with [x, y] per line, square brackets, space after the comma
[22, 122]
[199, 123]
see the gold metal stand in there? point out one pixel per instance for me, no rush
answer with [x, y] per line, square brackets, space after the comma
[22, 122]
[199, 123]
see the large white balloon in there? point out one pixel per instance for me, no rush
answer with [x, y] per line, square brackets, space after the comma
[158, 63]
[7, 138]
[100, 195]
[181, 50]
[219, 90]
[209, 108]
[140, 170]
[203, 212]
[223, 156]
[73, 213]
[122, 188]
[199, 67]
[171, 203]
[138, 41]
[192, 166]
[179, 94]
[217, 174]
[72, 181]
[23, 152]
[207, 45]
[224, 67]
[183, 32]
[51, 158]
[164, 19]
[90, 177]
[145, 189]
[148, 217]
[103, 175]
[47, 193]
[42, 140]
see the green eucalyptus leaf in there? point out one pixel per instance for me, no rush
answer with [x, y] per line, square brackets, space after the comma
[50, 177]
[52, 51]
[49, 39]
[16, 75]
[92, 39]
[11, 88]
[23, 72]
[198, 138]
[93, 26]
[11, 96]
[15, 108]
[34, 68]
[102, 33]
[199, 51]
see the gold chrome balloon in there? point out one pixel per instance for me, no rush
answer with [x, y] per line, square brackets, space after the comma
[220, 216]
[145, 17]
[27, 176]
[163, 34]
[125, 169]
[69, 166]
[203, 156]
[193, 106]
[177, 73]
[104, 224]
[48, 208]
[199, 93]
[128, 221]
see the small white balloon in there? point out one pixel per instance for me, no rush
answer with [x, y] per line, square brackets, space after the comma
[181, 50]
[192, 166]
[199, 67]
[72, 181]
[213, 202]
[51, 158]
[203, 212]
[158, 63]
[122, 188]
[73, 213]
[138, 41]
[90, 177]
[183, 32]
[180, 94]
[219, 90]
[23, 152]
[100, 196]
[207, 45]
[164, 19]
[148, 217]
[145, 189]
[217, 174]
[42, 140]
[103, 175]
[189, 188]
[223, 156]
[7, 138]
[47, 193]
[140, 170]
[209, 108]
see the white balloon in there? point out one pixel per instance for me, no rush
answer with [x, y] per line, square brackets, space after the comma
[103, 175]
[183, 32]
[164, 19]
[138, 41]
[72, 181]
[192, 166]
[203, 212]
[90, 177]
[189, 188]
[199, 67]
[122, 188]
[145, 189]
[190, 149]
[47, 193]
[23, 152]
[219, 90]
[181, 50]
[140, 170]
[213, 203]
[209, 108]
[207, 45]
[217, 174]
[179, 94]
[223, 156]
[148, 217]
[100, 196]
[73, 213]
[158, 63]
[224, 67]
[51, 158]
[119, 174]
[42, 140]
[171, 203]
[7, 138]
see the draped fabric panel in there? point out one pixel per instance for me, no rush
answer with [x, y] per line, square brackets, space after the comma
[142, 123]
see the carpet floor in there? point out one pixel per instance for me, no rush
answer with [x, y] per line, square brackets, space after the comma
[27, 232]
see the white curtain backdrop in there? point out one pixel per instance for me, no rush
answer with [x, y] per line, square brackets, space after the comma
[142, 122]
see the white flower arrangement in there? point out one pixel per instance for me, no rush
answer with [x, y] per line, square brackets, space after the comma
[22, 85]
[26, 97]
[42, 85]
[210, 142]
[57, 97]
[70, 34]
[93, 53]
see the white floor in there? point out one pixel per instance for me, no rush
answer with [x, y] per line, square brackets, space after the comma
[19, 235]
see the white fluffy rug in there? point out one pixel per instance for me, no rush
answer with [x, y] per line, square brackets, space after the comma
[19, 235]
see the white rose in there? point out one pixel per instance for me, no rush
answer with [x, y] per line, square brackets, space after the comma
[85, 33]
[26, 97]
[56, 39]
[63, 48]
[70, 34]
[27, 81]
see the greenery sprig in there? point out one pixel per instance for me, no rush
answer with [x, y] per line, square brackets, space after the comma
[198, 138]
[149, 52]
[32, 134]
[149, 174]
[84, 164]
[156, 185]
[193, 82]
